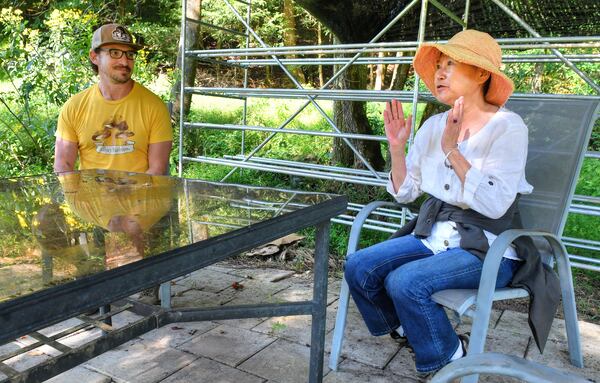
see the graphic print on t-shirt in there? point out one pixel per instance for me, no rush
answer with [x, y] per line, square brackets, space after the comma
[114, 137]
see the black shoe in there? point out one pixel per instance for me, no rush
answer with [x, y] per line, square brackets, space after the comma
[464, 342]
[395, 336]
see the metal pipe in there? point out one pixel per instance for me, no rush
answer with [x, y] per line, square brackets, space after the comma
[245, 110]
[244, 128]
[372, 94]
[309, 61]
[590, 41]
[182, 88]
[306, 165]
[466, 14]
[311, 100]
[448, 13]
[286, 170]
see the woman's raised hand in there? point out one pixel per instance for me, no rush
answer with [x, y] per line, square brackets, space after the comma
[453, 126]
[397, 128]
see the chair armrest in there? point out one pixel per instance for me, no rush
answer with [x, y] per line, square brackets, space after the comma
[506, 365]
[489, 273]
[360, 219]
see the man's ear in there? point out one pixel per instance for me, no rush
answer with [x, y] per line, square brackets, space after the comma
[93, 57]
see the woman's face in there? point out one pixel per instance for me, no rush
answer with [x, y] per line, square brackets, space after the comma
[454, 79]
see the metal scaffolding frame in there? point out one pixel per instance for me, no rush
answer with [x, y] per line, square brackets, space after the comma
[264, 55]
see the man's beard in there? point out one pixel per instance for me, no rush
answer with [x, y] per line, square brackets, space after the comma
[121, 77]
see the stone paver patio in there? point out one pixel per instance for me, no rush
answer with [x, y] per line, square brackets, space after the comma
[277, 349]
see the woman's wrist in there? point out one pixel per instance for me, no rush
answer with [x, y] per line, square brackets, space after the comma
[448, 149]
[398, 149]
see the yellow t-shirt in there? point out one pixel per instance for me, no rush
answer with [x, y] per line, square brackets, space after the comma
[115, 134]
[97, 199]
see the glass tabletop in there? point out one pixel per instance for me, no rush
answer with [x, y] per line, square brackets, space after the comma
[57, 228]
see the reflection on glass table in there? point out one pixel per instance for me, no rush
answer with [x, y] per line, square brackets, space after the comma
[59, 228]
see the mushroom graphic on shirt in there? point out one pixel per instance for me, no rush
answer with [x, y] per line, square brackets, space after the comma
[113, 138]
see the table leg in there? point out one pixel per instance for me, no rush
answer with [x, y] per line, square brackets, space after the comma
[105, 310]
[317, 342]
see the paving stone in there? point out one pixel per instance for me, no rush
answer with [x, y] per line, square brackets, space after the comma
[174, 334]
[17, 344]
[282, 361]
[197, 298]
[556, 355]
[222, 267]
[124, 318]
[506, 342]
[403, 363]
[257, 291]
[206, 370]
[81, 337]
[498, 379]
[360, 345]
[264, 275]
[210, 280]
[60, 327]
[296, 328]
[246, 323]
[178, 289]
[80, 375]
[31, 358]
[302, 291]
[353, 372]
[466, 322]
[227, 344]
[514, 322]
[142, 362]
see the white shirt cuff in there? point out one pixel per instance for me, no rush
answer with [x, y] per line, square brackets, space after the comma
[473, 179]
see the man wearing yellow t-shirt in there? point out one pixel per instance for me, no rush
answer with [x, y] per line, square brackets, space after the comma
[117, 123]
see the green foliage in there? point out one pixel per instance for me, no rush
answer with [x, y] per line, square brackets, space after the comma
[266, 20]
[44, 61]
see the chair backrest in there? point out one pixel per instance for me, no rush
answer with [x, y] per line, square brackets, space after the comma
[559, 130]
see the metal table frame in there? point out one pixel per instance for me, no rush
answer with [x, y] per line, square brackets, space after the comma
[29, 313]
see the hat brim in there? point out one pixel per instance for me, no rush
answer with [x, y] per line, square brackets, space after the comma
[425, 61]
[137, 47]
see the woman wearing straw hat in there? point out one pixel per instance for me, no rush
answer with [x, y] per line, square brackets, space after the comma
[471, 162]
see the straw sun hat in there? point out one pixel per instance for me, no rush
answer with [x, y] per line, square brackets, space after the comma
[470, 47]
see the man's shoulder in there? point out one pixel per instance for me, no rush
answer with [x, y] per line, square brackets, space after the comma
[77, 98]
[147, 94]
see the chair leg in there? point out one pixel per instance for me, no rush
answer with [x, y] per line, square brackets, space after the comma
[570, 310]
[340, 326]
[479, 329]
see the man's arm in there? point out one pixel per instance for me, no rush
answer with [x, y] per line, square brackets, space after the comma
[158, 158]
[65, 154]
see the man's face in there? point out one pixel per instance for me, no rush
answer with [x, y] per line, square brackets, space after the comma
[117, 70]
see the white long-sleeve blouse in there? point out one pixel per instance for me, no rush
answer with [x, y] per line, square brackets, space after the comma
[497, 154]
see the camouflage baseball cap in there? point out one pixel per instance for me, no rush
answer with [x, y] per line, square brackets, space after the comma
[113, 34]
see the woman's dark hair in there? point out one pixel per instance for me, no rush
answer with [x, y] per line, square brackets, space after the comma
[486, 85]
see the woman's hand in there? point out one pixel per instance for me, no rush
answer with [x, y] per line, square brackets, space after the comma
[397, 128]
[453, 125]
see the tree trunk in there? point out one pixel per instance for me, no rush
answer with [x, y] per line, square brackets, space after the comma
[379, 73]
[351, 117]
[192, 42]
[290, 36]
[538, 78]
[400, 75]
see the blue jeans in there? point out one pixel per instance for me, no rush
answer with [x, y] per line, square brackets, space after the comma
[392, 283]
